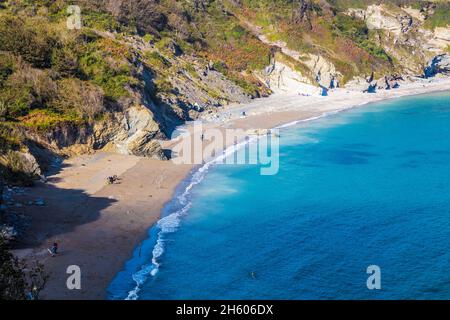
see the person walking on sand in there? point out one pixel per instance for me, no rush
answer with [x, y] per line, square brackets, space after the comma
[54, 249]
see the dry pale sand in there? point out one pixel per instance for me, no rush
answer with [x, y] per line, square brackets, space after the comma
[281, 109]
[99, 225]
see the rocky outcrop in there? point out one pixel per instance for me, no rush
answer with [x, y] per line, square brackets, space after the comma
[404, 36]
[438, 40]
[438, 65]
[204, 86]
[133, 132]
[62, 136]
[389, 82]
[371, 85]
[406, 24]
[326, 74]
[282, 78]
[416, 14]
[22, 164]
[442, 34]
[377, 17]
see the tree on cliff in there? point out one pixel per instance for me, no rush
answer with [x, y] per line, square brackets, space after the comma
[17, 281]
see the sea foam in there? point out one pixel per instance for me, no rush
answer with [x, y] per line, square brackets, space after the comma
[171, 222]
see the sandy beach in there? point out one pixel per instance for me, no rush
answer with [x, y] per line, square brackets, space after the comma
[98, 225]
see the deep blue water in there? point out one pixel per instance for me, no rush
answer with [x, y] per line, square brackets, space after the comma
[370, 186]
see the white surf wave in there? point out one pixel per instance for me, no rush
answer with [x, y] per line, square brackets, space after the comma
[171, 222]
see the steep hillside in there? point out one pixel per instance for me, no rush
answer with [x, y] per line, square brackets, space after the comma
[133, 72]
[138, 68]
[349, 39]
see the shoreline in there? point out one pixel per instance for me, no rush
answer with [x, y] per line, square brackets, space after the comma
[99, 227]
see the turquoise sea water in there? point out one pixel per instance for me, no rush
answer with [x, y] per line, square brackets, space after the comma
[370, 186]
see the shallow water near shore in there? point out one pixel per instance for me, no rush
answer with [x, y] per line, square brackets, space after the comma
[369, 186]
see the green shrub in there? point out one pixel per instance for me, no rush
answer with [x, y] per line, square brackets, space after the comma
[357, 30]
[375, 50]
[148, 38]
[191, 70]
[237, 32]
[351, 27]
[100, 21]
[6, 67]
[9, 138]
[16, 100]
[45, 119]
[64, 61]
[16, 278]
[441, 16]
[114, 87]
[163, 85]
[78, 99]
[155, 60]
[28, 37]
[107, 68]
[220, 66]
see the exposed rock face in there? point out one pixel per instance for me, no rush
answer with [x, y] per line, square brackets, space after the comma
[207, 87]
[371, 85]
[442, 34]
[28, 164]
[388, 82]
[406, 27]
[415, 13]
[281, 78]
[404, 38]
[131, 132]
[406, 22]
[438, 65]
[326, 74]
[357, 84]
[63, 136]
[21, 161]
[377, 18]
[439, 39]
